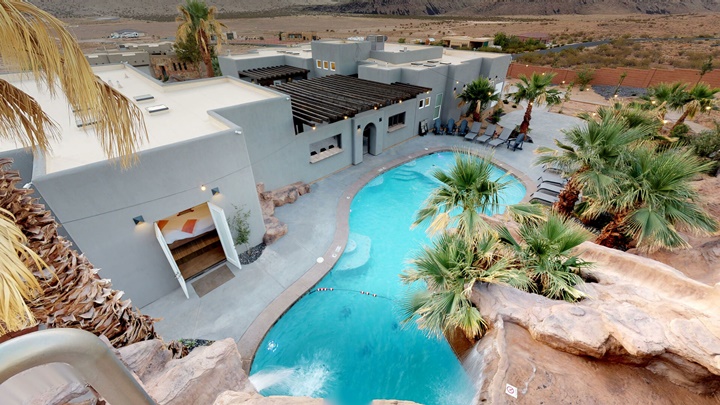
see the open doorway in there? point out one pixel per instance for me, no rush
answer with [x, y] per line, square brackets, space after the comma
[369, 138]
[196, 240]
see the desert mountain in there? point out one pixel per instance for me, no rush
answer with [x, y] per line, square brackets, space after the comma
[167, 8]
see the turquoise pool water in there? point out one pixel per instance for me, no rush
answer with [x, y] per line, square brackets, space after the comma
[349, 346]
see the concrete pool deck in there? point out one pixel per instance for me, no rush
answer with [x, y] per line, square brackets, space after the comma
[245, 307]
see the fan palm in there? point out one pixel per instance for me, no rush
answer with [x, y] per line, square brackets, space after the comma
[536, 90]
[478, 95]
[589, 157]
[450, 268]
[468, 186]
[544, 250]
[666, 96]
[654, 200]
[198, 20]
[700, 98]
[33, 40]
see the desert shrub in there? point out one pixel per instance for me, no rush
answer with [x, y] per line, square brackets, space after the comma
[584, 77]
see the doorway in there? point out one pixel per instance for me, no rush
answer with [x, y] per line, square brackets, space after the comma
[196, 240]
[369, 139]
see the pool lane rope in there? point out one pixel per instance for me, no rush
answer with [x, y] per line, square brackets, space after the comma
[328, 289]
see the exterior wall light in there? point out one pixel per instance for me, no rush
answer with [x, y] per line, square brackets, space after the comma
[358, 126]
[215, 190]
[139, 220]
[203, 188]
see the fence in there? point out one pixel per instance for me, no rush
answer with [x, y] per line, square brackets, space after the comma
[611, 76]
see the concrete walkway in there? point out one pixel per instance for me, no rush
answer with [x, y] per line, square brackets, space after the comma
[229, 310]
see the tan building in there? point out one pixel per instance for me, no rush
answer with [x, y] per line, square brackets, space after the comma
[299, 36]
[539, 36]
[169, 67]
[464, 41]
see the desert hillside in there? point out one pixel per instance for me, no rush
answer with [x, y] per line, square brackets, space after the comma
[160, 8]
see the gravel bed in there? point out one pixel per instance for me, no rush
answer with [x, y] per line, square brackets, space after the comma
[624, 91]
[252, 254]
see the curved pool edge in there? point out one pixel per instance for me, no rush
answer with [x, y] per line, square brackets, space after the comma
[249, 342]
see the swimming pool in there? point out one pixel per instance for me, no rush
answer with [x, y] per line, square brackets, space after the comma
[347, 344]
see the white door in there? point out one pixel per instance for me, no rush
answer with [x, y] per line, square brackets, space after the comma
[223, 230]
[171, 259]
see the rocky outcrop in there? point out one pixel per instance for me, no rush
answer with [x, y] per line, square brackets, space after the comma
[640, 312]
[274, 229]
[245, 398]
[146, 358]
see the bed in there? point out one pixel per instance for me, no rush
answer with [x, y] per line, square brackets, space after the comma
[187, 224]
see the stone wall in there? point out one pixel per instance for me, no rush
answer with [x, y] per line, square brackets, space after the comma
[274, 229]
[170, 66]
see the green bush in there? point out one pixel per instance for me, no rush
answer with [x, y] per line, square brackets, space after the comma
[584, 77]
[239, 223]
[707, 144]
[401, 40]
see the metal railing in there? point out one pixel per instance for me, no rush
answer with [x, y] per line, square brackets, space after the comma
[85, 352]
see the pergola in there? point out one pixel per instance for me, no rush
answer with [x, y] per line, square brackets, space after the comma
[266, 75]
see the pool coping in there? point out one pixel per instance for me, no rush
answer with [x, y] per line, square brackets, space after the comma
[249, 342]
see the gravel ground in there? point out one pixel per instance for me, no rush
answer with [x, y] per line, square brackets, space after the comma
[624, 91]
[252, 254]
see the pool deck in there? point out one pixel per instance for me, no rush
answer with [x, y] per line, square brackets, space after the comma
[245, 307]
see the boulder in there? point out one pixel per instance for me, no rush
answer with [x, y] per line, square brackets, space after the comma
[245, 398]
[274, 230]
[145, 358]
[201, 376]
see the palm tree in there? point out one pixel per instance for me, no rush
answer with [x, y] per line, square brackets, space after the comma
[653, 201]
[536, 90]
[700, 98]
[467, 186]
[74, 296]
[590, 156]
[198, 20]
[544, 250]
[478, 95]
[450, 268]
[664, 97]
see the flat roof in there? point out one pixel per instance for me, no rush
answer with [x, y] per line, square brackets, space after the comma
[467, 38]
[449, 57]
[303, 51]
[186, 118]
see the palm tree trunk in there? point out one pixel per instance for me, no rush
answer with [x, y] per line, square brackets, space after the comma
[205, 53]
[612, 235]
[567, 198]
[526, 119]
[680, 120]
[75, 297]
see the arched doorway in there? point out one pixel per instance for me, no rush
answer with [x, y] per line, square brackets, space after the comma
[370, 140]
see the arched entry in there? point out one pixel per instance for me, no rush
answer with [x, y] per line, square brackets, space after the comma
[370, 140]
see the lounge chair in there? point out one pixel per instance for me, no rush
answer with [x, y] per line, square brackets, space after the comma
[489, 133]
[503, 138]
[438, 129]
[473, 131]
[450, 128]
[550, 188]
[552, 179]
[463, 130]
[551, 167]
[517, 144]
[543, 198]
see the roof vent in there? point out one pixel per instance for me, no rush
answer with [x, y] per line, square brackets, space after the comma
[144, 97]
[81, 124]
[157, 108]
[446, 63]
[429, 65]
[433, 61]
[416, 63]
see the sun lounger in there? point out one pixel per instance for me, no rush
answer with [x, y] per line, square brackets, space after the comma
[503, 138]
[463, 130]
[550, 188]
[438, 129]
[543, 198]
[517, 144]
[551, 167]
[450, 128]
[473, 131]
[553, 179]
[489, 133]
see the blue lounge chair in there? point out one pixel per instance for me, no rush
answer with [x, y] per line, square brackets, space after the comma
[552, 179]
[473, 131]
[450, 128]
[489, 133]
[543, 198]
[503, 138]
[438, 129]
[463, 130]
[518, 142]
[549, 188]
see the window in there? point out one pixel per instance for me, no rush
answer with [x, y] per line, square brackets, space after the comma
[438, 106]
[397, 119]
[318, 63]
[325, 65]
[332, 66]
[427, 101]
[325, 148]
[421, 104]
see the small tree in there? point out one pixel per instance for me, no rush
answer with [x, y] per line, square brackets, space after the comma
[241, 225]
[623, 75]
[584, 77]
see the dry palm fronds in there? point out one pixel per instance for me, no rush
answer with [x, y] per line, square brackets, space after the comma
[22, 119]
[33, 40]
[74, 296]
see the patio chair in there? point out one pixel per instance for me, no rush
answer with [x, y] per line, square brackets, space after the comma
[438, 129]
[489, 133]
[552, 179]
[518, 142]
[463, 130]
[450, 128]
[543, 198]
[550, 188]
[473, 131]
[503, 138]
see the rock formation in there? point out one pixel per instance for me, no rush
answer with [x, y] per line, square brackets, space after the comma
[274, 229]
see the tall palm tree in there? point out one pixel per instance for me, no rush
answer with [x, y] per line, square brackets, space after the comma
[478, 95]
[589, 157]
[536, 90]
[450, 268]
[700, 98]
[653, 201]
[33, 40]
[198, 20]
[468, 186]
[544, 251]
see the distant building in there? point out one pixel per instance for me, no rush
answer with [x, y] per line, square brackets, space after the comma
[299, 36]
[127, 33]
[137, 55]
[539, 36]
[463, 41]
[169, 67]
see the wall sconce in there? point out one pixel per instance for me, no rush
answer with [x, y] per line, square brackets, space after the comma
[358, 126]
[203, 188]
[215, 190]
[139, 220]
